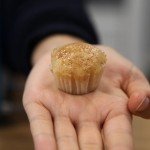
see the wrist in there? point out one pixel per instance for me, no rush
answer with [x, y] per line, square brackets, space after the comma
[49, 43]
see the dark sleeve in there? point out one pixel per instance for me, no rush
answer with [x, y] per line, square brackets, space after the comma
[26, 22]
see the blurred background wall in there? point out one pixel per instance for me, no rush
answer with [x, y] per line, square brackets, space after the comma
[125, 26]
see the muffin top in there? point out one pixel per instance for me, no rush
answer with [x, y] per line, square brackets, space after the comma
[78, 59]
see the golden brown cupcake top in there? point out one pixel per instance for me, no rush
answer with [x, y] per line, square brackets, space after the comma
[77, 59]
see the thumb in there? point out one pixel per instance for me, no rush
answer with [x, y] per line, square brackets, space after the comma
[138, 90]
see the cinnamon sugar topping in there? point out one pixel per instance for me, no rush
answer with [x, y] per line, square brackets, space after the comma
[77, 59]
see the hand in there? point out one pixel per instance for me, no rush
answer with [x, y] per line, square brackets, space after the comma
[91, 121]
[130, 80]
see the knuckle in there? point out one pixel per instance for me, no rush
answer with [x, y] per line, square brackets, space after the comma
[86, 124]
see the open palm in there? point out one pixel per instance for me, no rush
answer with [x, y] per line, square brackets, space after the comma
[92, 121]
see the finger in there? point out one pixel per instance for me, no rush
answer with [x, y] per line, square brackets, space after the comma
[138, 90]
[117, 133]
[65, 134]
[41, 126]
[89, 136]
[139, 105]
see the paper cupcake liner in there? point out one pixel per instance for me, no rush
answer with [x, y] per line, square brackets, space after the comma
[75, 86]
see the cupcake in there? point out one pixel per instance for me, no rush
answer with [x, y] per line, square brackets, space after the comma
[77, 67]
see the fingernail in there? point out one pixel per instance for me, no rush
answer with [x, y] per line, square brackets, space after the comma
[143, 105]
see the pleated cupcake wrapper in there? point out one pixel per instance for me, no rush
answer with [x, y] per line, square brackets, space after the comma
[74, 86]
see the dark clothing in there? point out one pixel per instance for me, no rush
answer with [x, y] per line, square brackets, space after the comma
[26, 22]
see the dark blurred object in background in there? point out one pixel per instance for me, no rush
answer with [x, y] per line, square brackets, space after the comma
[107, 2]
[11, 89]
[11, 108]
